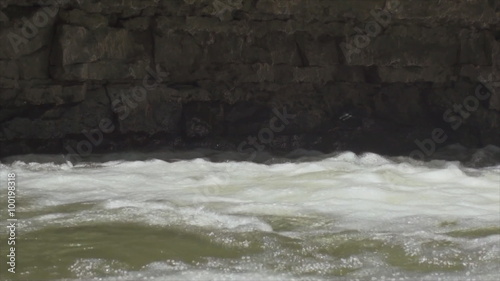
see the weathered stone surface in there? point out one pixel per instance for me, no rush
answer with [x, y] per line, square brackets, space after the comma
[106, 53]
[30, 66]
[401, 103]
[320, 10]
[35, 65]
[359, 75]
[202, 119]
[475, 47]
[438, 74]
[321, 51]
[125, 8]
[27, 32]
[407, 46]
[55, 122]
[178, 54]
[476, 73]
[461, 12]
[48, 95]
[8, 83]
[101, 70]
[139, 109]
[139, 23]
[9, 69]
[106, 43]
[341, 96]
[81, 18]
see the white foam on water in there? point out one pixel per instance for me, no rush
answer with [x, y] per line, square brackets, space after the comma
[362, 188]
[346, 192]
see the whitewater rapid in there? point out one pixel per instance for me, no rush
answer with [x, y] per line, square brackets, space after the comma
[337, 217]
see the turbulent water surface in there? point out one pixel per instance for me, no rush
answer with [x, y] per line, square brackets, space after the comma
[334, 217]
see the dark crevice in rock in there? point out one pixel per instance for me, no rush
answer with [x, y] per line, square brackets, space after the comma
[371, 75]
[303, 58]
[114, 116]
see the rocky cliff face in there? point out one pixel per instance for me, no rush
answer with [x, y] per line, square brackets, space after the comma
[391, 76]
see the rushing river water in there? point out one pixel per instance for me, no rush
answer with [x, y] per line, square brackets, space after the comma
[335, 217]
